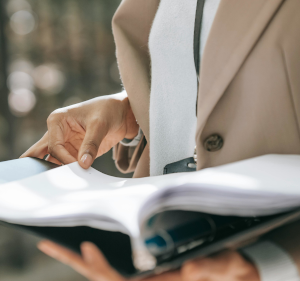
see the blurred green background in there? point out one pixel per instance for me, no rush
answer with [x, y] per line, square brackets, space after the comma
[53, 53]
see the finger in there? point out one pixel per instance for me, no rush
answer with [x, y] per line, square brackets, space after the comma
[53, 160]
[232, 263]
[92, 255]
[72, 150]
[197, 270]
[65, 256]
[39, 149]
[95, 133]
[57, 143]
[98, 263]
[168, 276]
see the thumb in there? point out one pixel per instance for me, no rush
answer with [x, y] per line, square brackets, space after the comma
[90, 145]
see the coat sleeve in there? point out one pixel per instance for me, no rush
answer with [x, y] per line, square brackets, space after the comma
[131, 25]
[131, 28]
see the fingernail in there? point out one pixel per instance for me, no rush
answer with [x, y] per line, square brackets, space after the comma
[87, 160]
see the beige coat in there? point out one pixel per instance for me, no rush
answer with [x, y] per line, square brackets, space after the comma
[249, 92]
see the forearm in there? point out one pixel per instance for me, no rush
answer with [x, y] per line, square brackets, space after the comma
[131, 28]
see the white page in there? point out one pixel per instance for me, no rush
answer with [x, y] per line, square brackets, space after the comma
[71, 196]
[263, 185]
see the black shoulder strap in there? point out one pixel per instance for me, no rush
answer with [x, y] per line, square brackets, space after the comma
[197, 36]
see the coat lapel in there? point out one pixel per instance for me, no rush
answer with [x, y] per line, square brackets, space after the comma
[237, 27]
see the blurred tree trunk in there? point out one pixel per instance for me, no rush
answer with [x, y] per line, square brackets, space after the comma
[4, 108]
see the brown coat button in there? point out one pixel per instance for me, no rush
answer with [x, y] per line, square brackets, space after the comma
[213, 143]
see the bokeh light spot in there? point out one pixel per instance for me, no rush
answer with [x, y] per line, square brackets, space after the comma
[21, 101]
[22, 22]
[49, 79]
[20, 80]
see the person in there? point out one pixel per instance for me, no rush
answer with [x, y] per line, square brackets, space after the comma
[247, 100]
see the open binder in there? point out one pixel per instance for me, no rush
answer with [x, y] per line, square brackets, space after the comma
[168, 231]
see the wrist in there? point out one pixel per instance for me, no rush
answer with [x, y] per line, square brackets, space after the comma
[133, 142]
[122, 104]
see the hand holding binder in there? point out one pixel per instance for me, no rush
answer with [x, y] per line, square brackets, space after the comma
[93, 265]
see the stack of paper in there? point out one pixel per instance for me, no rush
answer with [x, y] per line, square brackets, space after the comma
[70, 196]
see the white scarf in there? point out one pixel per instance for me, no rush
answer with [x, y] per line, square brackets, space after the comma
[174, 80]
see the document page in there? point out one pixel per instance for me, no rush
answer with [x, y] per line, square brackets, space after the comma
[72, 196]
[259, 186]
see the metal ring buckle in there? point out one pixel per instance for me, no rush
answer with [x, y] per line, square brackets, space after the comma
[195, 155]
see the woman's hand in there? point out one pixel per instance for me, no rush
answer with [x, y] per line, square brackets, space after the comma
[86, 130]
[226, 266]
[92, 263]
